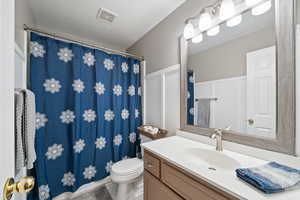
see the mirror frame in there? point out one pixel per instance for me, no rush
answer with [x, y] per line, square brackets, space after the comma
[284, 142]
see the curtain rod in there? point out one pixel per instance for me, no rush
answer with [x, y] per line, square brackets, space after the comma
[107, 50]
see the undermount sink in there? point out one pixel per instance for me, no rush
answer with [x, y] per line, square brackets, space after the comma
[212, 159]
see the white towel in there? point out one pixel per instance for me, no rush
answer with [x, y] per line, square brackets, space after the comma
[203, 112]
[30, 128]
[25, 129]
[20, 149]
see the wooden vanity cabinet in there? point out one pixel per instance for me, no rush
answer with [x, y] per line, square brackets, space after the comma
[156, 190]
[165, 181]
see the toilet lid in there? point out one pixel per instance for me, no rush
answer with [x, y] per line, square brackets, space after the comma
[128, 166]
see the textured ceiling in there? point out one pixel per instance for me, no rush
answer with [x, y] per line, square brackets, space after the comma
[78, 17]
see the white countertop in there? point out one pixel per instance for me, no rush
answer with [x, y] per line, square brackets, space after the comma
[177, 150]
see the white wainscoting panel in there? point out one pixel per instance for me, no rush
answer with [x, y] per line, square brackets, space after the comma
[172, 101]
[153, 107]
[162, 99]
[230, 107]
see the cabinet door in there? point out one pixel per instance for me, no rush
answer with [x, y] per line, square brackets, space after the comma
[189, 188]
[154, 189]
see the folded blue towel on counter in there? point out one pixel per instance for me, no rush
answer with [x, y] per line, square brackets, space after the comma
[271, 177]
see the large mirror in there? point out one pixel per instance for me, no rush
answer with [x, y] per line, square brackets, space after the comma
[234, 77]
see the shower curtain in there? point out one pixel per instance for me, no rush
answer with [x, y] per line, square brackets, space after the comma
[88, 106]
[190, 98]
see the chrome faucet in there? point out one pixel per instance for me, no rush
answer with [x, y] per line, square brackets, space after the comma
[217, 135]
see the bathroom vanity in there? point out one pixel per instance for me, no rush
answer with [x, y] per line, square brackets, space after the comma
[164, 179]
[244, 96]
[178, 168]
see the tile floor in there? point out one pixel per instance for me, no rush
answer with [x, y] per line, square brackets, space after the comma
[101, 194]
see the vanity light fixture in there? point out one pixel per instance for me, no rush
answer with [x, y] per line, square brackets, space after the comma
[227, 9]
[234, 21]
[262, 8]
[213, 31]
[252, 2]
[198, 38]
[223, 11]
[205, 21]
[188, 31]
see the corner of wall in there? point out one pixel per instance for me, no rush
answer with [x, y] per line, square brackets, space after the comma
[298, 90]
[23, 15]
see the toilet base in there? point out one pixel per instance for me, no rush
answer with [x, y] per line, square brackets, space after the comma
[135, 190]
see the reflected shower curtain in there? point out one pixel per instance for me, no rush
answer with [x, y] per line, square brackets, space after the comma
[88, 107]
[190, 98]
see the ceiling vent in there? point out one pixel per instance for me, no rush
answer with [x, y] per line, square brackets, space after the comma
[106, 15]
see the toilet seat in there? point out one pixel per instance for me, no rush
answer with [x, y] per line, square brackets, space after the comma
[126, 170]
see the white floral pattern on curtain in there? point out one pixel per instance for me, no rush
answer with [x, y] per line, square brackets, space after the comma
[88, 109]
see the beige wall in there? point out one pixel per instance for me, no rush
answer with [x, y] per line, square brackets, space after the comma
[160, 45]
[233, 63]
[23, 15]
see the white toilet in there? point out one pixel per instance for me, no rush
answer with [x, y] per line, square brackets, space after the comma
[127, 178]
[128, 175]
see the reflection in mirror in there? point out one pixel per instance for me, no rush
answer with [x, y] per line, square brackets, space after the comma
[231, 78]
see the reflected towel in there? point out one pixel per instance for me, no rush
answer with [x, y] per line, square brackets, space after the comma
[203, 119]
[271, 178]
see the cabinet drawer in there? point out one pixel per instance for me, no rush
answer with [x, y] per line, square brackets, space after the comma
[152, 164]
[187, 187]
[155, 190]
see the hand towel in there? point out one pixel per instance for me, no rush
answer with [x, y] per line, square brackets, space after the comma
[24, 128]
[20, 148]
[29, 128]
[271, 178]
[203, 112]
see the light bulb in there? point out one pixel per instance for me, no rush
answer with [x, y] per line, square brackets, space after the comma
[252, 2]
[262, 8]
[227, 9]
[213, 31]
[188, 31]
[234, 21]
[205, 21]
[198, 38]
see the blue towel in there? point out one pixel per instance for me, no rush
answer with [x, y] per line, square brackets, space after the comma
[271, 177]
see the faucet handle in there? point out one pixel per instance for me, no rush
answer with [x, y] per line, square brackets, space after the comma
[218, 131]
[213, 136]
[227, 128]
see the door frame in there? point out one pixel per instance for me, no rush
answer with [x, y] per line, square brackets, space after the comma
[7, 67]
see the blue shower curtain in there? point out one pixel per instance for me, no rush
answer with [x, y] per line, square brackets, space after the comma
[190, 98]
[88, 106]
